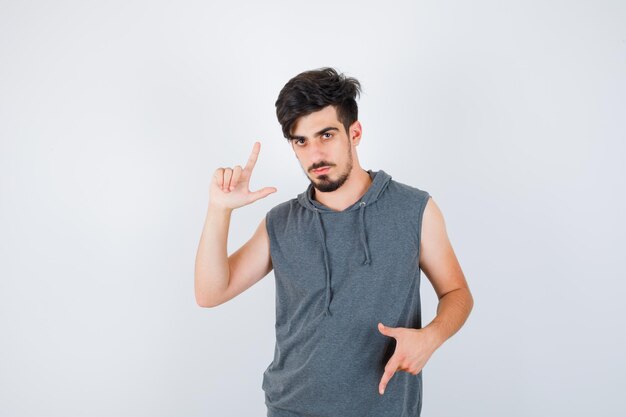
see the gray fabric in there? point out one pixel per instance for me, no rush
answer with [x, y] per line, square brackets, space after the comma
[338, 273]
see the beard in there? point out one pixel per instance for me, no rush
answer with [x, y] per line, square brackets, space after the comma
[324, 184]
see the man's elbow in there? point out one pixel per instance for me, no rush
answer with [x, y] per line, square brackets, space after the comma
[469, 299]
[204, 304]
[466, 296]
[204, 301]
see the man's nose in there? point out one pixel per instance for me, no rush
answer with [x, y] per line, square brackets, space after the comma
[316, 150]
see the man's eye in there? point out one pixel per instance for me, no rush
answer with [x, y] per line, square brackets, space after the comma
[299, 141]
[329, 134]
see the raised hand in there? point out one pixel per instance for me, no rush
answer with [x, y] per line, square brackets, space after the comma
[413, 348]
[230, 186]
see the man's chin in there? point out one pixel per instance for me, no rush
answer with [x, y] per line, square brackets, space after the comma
[325, 186]
[318, 179]
[316, 184]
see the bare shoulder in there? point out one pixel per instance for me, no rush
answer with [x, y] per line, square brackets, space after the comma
[437, 258]
[433, 220]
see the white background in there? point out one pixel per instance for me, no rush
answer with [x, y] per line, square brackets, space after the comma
[114, 115]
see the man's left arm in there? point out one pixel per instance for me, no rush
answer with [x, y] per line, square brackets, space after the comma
[438, 261]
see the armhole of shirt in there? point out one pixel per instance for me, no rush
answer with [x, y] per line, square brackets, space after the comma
[425, 196]
[268, 228]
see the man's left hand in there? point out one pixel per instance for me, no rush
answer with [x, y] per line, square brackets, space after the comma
[413, 348]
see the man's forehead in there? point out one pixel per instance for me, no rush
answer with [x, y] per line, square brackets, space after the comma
[312, 122]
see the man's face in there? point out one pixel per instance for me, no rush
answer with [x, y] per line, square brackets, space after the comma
[320, 140]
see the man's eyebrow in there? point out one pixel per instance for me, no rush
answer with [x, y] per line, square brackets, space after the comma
[321, 132]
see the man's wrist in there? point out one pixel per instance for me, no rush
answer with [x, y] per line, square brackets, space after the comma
[214, 208]
[435, 334]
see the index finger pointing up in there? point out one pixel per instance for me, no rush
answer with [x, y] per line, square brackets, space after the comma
[253, 157]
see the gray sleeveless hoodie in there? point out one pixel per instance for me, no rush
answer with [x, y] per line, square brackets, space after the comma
[337, 274]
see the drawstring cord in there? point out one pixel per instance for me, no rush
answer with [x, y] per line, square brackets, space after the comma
[367, 260]
[363, 237]
[321, 229]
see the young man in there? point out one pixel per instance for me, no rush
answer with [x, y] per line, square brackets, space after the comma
[346, 255]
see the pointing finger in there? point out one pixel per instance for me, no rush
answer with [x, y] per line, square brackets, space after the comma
[390, 369]
[253, 157]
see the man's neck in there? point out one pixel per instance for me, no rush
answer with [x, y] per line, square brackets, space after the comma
[354, 188]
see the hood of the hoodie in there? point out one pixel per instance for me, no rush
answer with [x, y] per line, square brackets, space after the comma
[380, 180]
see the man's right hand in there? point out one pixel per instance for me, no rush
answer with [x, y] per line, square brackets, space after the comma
[230, 186]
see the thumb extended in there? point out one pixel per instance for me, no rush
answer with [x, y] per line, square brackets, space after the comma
[262, 193]
[386, 330]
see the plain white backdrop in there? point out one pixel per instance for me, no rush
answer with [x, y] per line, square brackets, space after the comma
[114, 115]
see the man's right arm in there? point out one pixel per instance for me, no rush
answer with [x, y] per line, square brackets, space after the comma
[218, 277]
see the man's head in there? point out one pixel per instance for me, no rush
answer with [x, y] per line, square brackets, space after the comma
[318, 113]
[312, 91]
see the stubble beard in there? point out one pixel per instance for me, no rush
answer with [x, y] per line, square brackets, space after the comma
[325, 185]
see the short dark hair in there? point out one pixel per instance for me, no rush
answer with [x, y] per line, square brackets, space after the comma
[313, 90]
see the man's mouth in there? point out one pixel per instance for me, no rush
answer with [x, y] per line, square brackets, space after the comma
[321, 170]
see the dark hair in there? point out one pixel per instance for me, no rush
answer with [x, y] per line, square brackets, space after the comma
[313, 90]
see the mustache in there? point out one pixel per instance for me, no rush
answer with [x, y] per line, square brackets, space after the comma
[320, 166]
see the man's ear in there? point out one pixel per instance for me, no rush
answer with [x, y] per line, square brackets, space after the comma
[355, 132]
